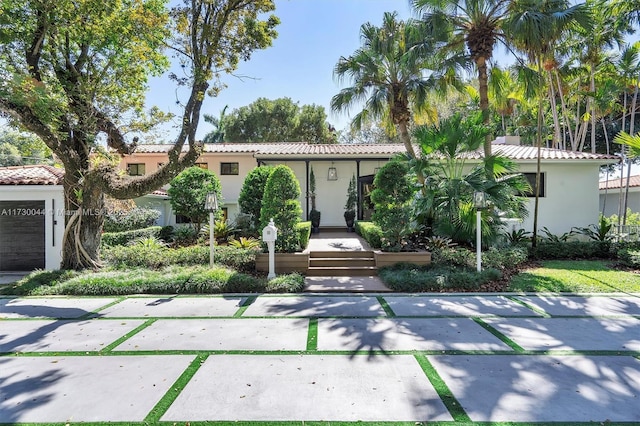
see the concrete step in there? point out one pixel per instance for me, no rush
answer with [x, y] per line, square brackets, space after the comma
[342, 254]
[341, 261]
[346, 271]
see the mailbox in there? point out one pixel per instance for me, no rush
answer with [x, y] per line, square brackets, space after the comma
[270, 232]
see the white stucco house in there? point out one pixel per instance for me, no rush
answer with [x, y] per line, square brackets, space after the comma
[610, 194]
[568, 194]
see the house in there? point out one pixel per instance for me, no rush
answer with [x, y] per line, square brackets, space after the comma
[31, 217]
[568, 179]
[610, 194]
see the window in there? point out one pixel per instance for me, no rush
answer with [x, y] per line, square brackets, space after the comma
[229, 169]
[531, 178]
[135, 169]
[204, 166]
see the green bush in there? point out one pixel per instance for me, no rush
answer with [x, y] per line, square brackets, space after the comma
[280, 203]
[370, 232]
[412, 278]
[138, 218]
[454, 256]
[630, 258]
[504, 258]
[188, 193]
[251, 193]
[304, 232]
[290, 283]
[242, 260]
[571, 250]
[110, 239]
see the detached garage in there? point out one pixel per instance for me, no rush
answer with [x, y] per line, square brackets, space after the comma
[31, 217]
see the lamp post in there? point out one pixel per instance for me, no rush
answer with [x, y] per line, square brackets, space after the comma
[211, 204]
[480, 203]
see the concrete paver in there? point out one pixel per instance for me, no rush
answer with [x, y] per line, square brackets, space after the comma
[52, 307]
[474, 306]
[171, 306]
[316, 306]
[370, 284]
[62, 336]
[90, 389]
[571, 333]
[221, 334]
[517, 388]
[312, 387]
[383, 334]
[584, 306]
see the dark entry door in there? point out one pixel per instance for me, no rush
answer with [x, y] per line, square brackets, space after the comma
[365, 209]
[22, 239]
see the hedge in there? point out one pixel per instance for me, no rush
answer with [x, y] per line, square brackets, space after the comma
[370, 232]
[110, 239]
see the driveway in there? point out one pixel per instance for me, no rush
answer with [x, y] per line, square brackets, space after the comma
[294, 359]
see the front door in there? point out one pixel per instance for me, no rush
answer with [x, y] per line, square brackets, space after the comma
[365, 209]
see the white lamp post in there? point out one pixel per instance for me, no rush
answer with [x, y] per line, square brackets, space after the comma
[211, 204]
[480, 203]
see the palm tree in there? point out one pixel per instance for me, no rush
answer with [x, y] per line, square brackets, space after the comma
[216, 135]
[533, 26]
[476, 25]
[391, 74]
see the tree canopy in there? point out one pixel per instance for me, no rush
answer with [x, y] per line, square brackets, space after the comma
[279, 120]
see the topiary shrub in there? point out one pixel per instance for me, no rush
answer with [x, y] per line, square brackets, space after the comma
[138, 218]
[370, 232]
[280, 203]
[188, 193]
[304, 232]
[251, 193]
[124, 238]
[571, 250]
[392, 199]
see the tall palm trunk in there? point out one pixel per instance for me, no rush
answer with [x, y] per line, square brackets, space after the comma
[483, 81]
[534, 238]
[631, 132]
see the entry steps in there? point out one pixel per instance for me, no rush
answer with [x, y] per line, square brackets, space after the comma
[342, 264]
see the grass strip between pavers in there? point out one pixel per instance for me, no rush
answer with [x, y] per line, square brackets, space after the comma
[244, 306]
[513, 345]
[172, 394]
[127, 336]
[445, 394]
[385, 306]
[108, 305]
[528, 306]
[312, 335]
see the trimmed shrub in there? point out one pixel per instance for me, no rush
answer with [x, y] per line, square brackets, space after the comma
[571, 250]
[412, 278]
[251, 193]
[504, 258]
[110, 239]
[304, 232]
[454, 256]
[290, 283]
[630, 258]
[370, 232]
[188, 193]
[138, 218]
[280, 202]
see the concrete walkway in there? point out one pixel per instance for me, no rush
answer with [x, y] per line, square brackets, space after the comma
[396, 358]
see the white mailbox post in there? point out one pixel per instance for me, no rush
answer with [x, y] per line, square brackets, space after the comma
[269, 236]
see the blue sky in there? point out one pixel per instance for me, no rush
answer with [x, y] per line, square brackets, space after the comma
[312, 36]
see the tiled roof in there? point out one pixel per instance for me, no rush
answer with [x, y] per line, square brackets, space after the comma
[634, 181]
[38, 174]
[305, 150]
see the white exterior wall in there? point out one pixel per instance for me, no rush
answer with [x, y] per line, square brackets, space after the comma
[53, 197]
[571, 198]
[613, 198]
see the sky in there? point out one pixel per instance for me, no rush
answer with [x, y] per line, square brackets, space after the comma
[312, 36]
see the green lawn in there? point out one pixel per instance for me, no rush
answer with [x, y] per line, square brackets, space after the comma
[586, 276]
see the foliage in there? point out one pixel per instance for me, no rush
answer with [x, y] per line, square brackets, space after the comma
[123, 257]
[454, 256]
[577, 276]
[304, 232]
[166, 234]
[223, 231]
[392, 198]
[9, 155]
[352, 198]
[279, 120]
[138, 218]
[122, 238]
[630, 258]
[280, 203]
[37, 281]
[184, 235]
[437, 242]
[217, 135]
[251, 193]
[509, 258]
[245, 243]
[148, 242]
[188, 193]
[599, 232]
[548, 236]
[633, 219]
[571, 250]
[75, 73]
[412, 278]
[286, 283]
[25, 148]
[370, 232]
[518, 236]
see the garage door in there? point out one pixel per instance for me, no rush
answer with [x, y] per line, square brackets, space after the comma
[22, 235]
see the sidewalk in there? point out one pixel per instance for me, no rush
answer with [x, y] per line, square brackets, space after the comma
[396, 358]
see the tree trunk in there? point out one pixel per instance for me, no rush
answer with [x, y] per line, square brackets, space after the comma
[84, 217]
[632, 130]
[484, 101]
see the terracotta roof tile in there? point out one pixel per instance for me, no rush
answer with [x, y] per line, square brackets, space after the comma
[38, 174]
[634, 181]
